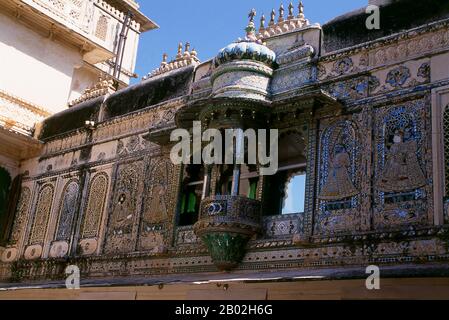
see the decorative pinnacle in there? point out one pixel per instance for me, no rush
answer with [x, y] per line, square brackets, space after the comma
[179, 55]
[164, 59]
[262, 22]
[290, 11]
[281, 13]
[251, 15]
[251, 28]
[272, 16]
[186, 50]
[301, 10]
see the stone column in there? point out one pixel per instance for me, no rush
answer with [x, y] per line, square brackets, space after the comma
[239, 148]
[207, 180]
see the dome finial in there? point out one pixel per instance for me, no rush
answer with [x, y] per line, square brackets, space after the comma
[301, 10]
[179, 55]
[252, 14]
[281, 13]
[187, 50]
[164, 59]
[262, 22]
[290, 11]
[272, 16]
[251, 28]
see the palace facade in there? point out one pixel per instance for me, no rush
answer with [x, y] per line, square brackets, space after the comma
[363, 175]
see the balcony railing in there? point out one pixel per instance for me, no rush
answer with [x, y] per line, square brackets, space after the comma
[221, 208]
[74, 12]
[94, 19]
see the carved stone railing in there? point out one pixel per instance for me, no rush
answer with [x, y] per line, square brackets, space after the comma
[225, 225]
[72, 11]
[93, 19]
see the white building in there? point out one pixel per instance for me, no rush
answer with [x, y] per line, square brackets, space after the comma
[51, 51]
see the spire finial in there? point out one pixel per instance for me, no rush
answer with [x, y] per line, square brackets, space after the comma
[281, 13]
[251, 28]
[290, 11]
[301, 10]
[272, 16]
[164, 59]
[251, 15]
[262, 22]
[187, 50]
[179, 55]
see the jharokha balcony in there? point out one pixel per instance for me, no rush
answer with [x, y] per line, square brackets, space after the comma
[85, 24]
[225, 224]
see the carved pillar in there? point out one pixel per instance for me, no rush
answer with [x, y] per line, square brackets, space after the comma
[207, 182]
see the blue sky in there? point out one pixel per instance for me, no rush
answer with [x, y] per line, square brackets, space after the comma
[210, 25]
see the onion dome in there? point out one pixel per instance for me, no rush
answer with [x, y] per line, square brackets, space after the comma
[245, 50]
[249, 48]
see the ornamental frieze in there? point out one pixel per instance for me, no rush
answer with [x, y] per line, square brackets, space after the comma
[135, 123]
[398, 49]
[400, 77]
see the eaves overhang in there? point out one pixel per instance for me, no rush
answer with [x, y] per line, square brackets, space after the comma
[18, 146]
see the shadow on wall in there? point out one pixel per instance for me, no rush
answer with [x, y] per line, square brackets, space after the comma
[5, 186]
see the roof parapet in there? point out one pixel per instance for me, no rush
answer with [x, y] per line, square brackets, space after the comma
[182, 59]
[283, 24]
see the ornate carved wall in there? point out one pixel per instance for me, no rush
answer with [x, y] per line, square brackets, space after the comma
[68, 207]
[364, 115]
[338, 200]
[402, 165]
[159, 206]
[42, 214]
[23, 208]
[124, 216]
[96, 202]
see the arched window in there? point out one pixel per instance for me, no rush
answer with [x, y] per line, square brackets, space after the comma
[42, 214]
[191, 193]
[285, 190]
[22, 210]
[95, 205]
[446, 149]
[67, 209]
